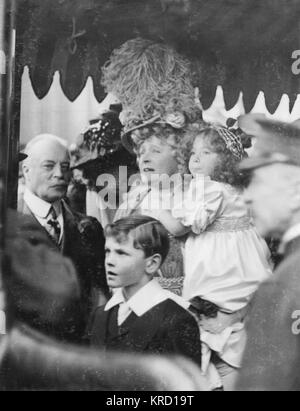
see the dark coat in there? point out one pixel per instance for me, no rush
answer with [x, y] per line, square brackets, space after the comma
[272, 356]
[83, 242]
[165, 329]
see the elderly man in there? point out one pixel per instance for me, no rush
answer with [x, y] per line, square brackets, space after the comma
[272, 356]
[47, 175]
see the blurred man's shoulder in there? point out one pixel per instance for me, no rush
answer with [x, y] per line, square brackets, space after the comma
[26, 227]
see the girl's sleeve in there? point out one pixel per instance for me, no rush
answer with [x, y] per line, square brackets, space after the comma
[200, 208]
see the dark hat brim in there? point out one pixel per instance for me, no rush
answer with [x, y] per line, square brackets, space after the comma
[249, 123]
[276, 142]
[279, 128]
[126, 136]
[253, 163]
[84, 164]
[127, 142]
[89, 160]
[22, 156]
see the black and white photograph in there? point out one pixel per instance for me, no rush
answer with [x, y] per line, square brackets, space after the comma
[149, 198]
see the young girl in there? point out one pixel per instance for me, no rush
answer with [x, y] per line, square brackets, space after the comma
[225, 259]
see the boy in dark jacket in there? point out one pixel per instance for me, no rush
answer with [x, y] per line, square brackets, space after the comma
[141, 316]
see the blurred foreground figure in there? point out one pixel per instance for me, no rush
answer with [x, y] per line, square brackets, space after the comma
[41, 290]
[31, 361]
[272, 356]
[41, 295]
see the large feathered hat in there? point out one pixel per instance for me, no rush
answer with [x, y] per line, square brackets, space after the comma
[152, 81]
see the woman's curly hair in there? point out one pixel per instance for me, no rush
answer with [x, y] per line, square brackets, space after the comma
[179, 141]
[227, 170]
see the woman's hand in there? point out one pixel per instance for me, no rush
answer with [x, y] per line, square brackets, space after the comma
[173, 225]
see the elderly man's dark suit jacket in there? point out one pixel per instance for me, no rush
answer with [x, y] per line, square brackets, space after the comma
[165, 329]
[272, 356]
[83, 243]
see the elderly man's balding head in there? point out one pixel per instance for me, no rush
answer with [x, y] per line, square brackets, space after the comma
[47, 167]
[43, 140]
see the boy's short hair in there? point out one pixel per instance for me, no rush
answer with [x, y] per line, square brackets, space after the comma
[149, 234]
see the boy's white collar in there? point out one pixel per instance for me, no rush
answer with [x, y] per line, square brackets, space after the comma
[145, 299]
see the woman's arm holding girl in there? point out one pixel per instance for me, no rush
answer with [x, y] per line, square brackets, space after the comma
[173, 225]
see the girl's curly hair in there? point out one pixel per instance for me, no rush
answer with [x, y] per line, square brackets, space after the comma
[227, 171]
[179, 141]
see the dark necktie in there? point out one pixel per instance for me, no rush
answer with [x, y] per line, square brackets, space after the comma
[53, 226]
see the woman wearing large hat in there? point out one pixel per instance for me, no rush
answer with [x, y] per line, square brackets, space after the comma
[154, 84]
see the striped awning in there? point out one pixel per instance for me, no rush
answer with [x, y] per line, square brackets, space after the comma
[243, 45]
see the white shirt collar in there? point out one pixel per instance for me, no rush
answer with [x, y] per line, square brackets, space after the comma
[291, 234]
[39, 207]
[145, 299]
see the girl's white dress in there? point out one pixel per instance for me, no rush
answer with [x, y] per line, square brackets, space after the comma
[225, 258]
